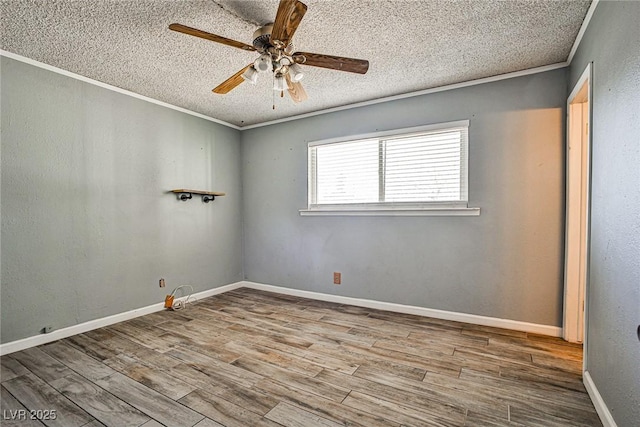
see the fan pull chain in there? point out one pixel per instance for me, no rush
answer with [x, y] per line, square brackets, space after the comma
[273, 92]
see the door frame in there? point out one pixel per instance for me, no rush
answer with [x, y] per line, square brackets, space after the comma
[577, 259]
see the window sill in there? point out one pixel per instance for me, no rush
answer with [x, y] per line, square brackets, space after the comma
[392, 212]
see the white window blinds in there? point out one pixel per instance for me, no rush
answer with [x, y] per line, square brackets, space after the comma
[416, 168]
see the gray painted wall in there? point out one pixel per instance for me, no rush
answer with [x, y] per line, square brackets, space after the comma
[87, 229]
[506, 263]
[613, 348]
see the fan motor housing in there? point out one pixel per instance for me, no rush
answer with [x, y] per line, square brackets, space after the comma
[262, 39]
[262, 36]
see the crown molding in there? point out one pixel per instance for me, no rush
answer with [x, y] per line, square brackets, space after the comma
[444, 88]
[111, 87]
[583, 29]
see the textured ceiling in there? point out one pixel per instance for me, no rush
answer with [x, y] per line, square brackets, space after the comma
[411, 45]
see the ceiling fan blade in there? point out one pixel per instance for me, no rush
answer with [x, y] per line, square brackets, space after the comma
[233, 81]
[288, 17]
[208, 36]
[351, 65]
[296, 90]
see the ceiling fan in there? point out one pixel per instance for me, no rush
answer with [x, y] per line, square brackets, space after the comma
[273, 42]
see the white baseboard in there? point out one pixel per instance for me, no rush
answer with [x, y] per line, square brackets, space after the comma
[598, 402]
[37, 340]
[495, 322]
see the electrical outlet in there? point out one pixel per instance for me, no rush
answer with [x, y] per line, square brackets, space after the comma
[337, 278]
[161, 283]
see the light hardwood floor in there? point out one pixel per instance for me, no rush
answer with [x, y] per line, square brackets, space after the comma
[251, 358]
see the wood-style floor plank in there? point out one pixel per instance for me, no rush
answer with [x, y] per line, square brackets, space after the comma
[214, 348]
[475, 419]
[103, 406]
[249, 398]
[275, 357]
[222, 411]
[321, 406]
[35, 394]
[535, 418]
[422, 399]
[150, 402]
[160, 381]
[254, 358]
[11, 368]
[292, 416]
[397, 412]
[547, 376]
[41, 364]
[302, 382]
[77, 360]
[208, 423]
[14, 414]
[520, 390]
[216, 369]
[90, 346]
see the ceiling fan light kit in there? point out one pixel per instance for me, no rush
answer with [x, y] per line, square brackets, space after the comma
[279, 83]
[273, 42]
[264, 63]
[250, 75]
[295, 72]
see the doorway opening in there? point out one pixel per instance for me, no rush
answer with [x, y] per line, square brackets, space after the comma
[578, 168]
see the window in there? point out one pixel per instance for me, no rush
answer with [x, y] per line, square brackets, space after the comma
[412, 169]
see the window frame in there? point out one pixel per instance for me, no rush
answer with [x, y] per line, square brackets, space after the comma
[455, 208]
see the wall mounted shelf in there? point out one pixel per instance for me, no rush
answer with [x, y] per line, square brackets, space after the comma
[207, 196]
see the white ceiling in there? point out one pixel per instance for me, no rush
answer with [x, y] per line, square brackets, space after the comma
[411, 46]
